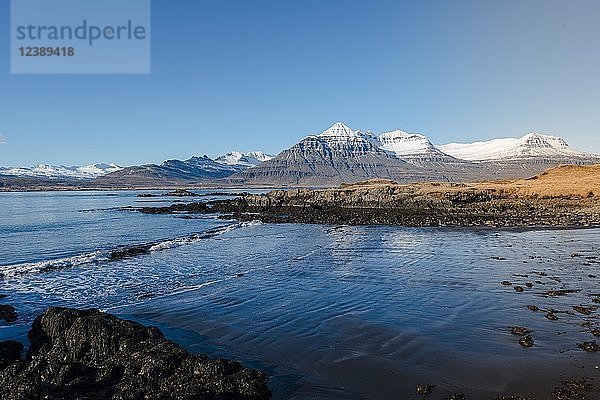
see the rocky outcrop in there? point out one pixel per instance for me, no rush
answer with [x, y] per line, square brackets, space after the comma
[180, 193]
[175, 208]
[526, 203]
[560, 197]
[505, 213]
[8, 313]
[10, 353]
[92, 355]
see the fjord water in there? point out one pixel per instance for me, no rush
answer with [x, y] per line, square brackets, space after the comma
[330, 312]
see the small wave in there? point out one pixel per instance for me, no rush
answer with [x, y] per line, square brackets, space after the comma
[123, 208]
[117, 254]
[177, 242]
[50, 265]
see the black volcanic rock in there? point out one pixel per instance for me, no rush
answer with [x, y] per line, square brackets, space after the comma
[198, 207]
[404, 205]
[92, 355]
[8, 313]
[130, 252]
[180, 193]
[10, 353]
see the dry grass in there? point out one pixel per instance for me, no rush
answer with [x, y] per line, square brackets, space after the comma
[564, 180]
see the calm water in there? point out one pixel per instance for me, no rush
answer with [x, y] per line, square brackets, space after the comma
[329, 312]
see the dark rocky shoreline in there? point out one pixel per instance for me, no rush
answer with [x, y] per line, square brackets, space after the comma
[87, 354]
[384, 206]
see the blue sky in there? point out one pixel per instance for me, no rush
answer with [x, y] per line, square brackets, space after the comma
[261, 75]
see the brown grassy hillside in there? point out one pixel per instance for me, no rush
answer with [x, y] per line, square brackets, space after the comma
[564, 180]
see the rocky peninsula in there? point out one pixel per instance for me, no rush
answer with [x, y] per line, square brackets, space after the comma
[87, 354]
[565, 196]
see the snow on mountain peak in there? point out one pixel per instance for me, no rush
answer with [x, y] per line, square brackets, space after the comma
[231, 158]
[538, 139]
[534, 140]
[339, 129]
[404, 143]
[237, 158]
[99, 169]
[62, 172]
[531, 145]
[260, 156]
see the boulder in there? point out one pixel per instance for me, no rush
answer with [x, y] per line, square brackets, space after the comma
[8, 313]
[88, 354]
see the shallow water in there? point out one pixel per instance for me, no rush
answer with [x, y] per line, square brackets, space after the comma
[329, 312]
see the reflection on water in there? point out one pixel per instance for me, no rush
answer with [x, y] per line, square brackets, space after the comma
[329, 312]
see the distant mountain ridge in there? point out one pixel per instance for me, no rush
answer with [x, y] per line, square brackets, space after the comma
[87, 172]
[190, 171]
[244, 160]
[169, 171]
[337, 155]
[532, 145]
[414, 147]
[341, 154]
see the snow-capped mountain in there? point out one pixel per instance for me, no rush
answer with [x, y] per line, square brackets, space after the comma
[199, 166]
[340, 133]
[342, 154]
[338, 154]
[413, 147]
[343, 139]
[169, 172]
[99, 169]
[61, 172]
[404, 143]
[192, 170]
[531, 146]
[244, 160]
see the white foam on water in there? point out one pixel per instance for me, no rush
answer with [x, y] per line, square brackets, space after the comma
[103, 256]
[49, 265]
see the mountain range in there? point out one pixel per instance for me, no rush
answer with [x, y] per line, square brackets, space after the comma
[343, 155]
[338, 155]
[61, 172]
[220, 167]
[532, 145]
[190, 171]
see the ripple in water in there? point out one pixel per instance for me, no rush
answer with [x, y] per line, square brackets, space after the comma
[348, 312]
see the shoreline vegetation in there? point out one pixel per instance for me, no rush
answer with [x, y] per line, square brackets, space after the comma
[567, 196]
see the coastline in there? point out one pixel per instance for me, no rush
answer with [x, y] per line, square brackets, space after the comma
[562, 197]
[373, 267]
[467, 208]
